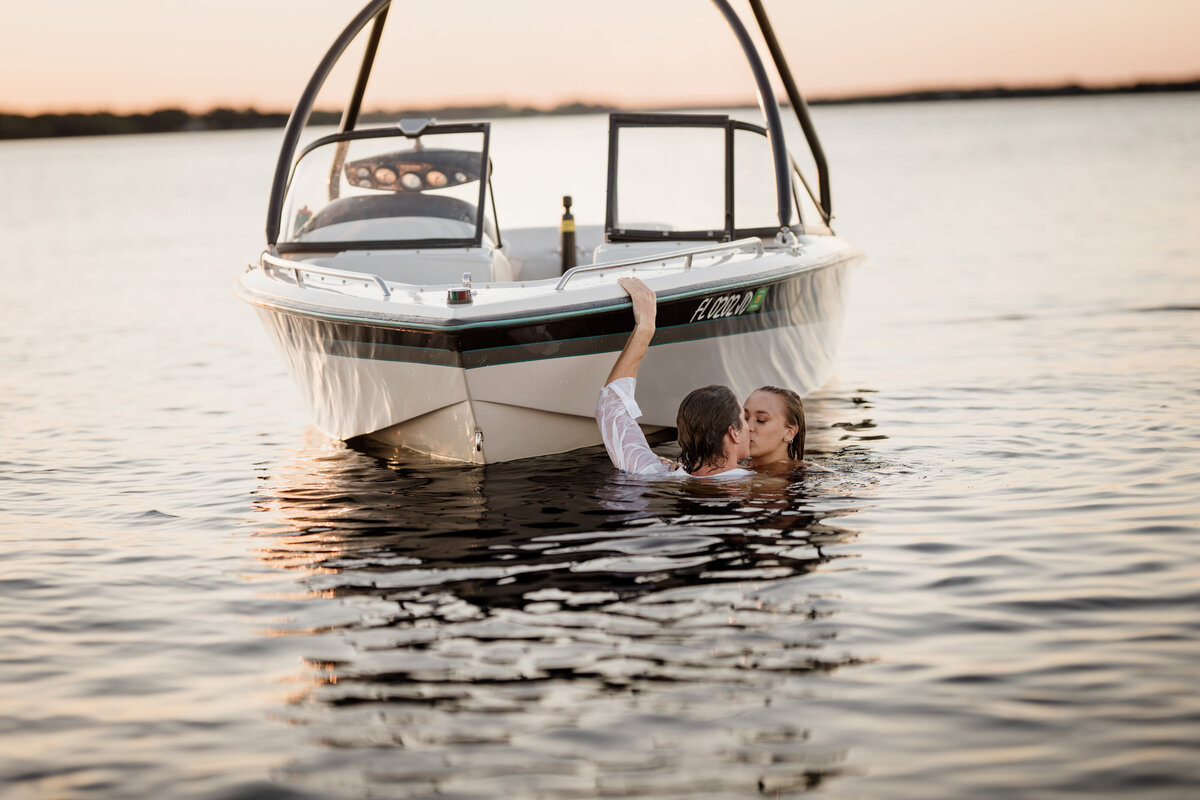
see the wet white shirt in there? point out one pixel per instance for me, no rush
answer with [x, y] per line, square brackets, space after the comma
[616, 414]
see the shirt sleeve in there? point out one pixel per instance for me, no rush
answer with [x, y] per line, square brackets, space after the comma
[616, 414]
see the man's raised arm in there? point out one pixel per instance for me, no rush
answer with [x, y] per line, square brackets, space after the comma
[644, 310]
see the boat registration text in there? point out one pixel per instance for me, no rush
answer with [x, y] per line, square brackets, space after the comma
[729, 305]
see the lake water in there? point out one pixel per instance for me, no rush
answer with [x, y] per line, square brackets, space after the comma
[995, 592]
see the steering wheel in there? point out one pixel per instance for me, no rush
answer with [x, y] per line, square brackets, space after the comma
[345, 209]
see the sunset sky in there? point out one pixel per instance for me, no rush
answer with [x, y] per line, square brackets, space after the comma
[129, 55]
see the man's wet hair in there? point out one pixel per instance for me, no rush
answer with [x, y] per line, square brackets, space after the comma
[703, 419]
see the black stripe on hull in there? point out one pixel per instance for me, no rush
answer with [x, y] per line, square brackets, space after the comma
[806, 297]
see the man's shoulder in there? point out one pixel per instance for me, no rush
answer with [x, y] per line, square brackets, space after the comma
[736, 472]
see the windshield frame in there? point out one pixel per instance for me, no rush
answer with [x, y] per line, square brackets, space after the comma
[729, 231]
[394, 131]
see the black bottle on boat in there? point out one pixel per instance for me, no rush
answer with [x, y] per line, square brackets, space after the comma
[568, 235]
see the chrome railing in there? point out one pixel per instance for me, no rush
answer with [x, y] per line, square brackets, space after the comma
[297, 269]
[687, 255]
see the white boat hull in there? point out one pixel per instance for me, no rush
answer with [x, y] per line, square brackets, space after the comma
[540, 397]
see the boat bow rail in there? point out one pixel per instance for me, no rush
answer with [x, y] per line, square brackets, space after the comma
[686, 255]
[298, 268]
[272, 266]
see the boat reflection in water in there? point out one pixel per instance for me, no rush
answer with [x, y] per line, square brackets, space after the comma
[553, 627]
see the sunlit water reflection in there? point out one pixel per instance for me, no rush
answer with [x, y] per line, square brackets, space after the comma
[992, 593]
[558, 628]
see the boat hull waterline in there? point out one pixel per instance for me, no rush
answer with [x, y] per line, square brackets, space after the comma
[484, 388]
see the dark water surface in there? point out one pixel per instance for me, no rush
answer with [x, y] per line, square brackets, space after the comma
[995, 592]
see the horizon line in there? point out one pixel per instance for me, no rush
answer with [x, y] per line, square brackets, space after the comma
[176, 119]
[817, 99]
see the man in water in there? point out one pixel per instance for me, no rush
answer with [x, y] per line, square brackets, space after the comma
[712, 436]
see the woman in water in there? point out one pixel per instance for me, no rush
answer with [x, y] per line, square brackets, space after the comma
[713, 435]
[775, 419]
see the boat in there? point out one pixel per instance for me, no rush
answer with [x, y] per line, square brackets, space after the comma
[406, 313]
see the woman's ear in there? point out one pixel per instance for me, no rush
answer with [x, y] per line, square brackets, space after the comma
[790, 431]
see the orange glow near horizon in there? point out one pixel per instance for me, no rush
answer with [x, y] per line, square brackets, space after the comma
[125, 56]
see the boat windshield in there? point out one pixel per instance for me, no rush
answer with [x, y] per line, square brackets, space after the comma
[382, 188]
[690, 177]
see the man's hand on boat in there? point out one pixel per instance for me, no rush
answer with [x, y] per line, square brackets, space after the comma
[645, 305]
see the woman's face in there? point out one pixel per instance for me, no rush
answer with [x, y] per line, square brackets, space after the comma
[766, 417]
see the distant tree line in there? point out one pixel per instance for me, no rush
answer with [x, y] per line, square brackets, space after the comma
[170, 120]
[994, 93]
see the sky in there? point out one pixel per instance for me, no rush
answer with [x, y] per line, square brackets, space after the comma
[132, 55]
